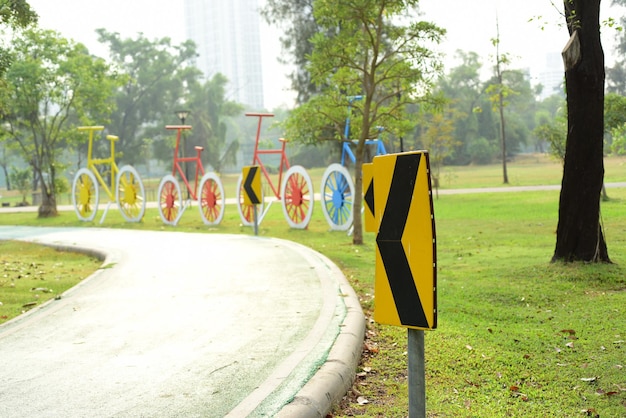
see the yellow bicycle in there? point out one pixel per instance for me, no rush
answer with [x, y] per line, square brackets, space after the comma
[125, 182]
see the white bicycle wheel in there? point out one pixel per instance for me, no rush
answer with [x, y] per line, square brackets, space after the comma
[85, 195]
[170, 199]
[337, 194]
[297, 197]
[246, 212]
[130, 194]
[211, 199]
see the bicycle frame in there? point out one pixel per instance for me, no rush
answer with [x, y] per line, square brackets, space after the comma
[93, 163]
[256, 160]
[177, 167]
[346, 150]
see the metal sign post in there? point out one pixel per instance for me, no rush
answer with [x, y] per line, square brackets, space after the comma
[417, 374]
[256, 220]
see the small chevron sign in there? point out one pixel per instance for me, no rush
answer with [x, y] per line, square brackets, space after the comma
[368, 197]
[406, 270]
[251, 185]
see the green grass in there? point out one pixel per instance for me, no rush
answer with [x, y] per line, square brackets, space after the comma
[517, 335]
[32, 274]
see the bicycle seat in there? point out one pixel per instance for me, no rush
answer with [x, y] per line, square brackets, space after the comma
[177, 126]
[198, 148]
[283, 140]
[112, 138]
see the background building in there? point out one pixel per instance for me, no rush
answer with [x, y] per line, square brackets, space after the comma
[227, 36]
[552, 76]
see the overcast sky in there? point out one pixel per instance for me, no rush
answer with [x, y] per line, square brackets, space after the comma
[470, 25]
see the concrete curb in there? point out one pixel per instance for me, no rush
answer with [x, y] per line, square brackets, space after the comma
[335, 377]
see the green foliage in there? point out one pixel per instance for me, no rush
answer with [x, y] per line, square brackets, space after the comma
[618, 143]
[211, 112]
[20, 179]
[438, 138]
[554, 133]
[363, 49]
[475, 104]
[480, 151]
[154, 74]
[614, 111]
[14, 14]
[52, 85]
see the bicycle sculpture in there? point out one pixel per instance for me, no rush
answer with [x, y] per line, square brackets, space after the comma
[337, 189]
[295, 193]
[125, 183]
[209, 194]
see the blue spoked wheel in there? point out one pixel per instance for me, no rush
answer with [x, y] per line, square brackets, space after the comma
[337, 194]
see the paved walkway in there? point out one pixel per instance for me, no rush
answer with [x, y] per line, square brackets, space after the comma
[182, 324]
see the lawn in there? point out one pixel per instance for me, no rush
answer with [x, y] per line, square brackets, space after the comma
[517, 335]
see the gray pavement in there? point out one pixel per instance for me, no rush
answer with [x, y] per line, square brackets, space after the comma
[183, 325]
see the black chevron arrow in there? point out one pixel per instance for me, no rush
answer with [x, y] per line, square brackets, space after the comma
[369, 196]
[389, 241]
[247, 186]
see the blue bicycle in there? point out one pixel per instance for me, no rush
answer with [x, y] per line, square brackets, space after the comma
[337, 190]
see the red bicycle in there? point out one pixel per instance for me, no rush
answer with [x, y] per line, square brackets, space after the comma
[211, 192]
[295, 193]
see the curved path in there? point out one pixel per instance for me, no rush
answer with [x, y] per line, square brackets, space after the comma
[180, 324]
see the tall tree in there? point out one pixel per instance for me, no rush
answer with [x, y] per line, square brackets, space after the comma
[51, 84]
[499, 92]
[156, 74]
[373, 54]
[579, 231]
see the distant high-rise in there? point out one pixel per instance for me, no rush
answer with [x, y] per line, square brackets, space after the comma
[227, 36]
[551, 77]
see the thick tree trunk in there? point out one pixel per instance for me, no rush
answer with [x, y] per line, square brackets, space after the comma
[579, 231]
[48, 206]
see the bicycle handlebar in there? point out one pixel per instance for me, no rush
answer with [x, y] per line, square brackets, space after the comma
[260, 115]
[354, 98]
[91, 128]
[177, 126]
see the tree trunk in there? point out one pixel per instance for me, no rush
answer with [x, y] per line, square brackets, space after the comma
[48, 208]
[579, 232]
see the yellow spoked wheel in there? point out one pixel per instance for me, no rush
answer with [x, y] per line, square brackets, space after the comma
[85, 195]
[130, 194]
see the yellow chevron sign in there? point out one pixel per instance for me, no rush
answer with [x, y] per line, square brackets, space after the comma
[368, 197]
[251, 185]
[406, 270]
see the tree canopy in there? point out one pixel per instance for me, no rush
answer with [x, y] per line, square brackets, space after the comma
[371, 49]
[52, 85]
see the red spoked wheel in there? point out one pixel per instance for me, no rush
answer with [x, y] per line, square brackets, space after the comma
[211, 201]
[297, 197]
[170, 200]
